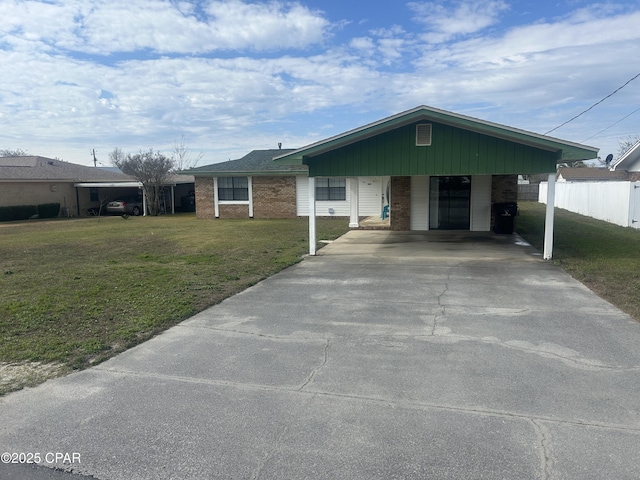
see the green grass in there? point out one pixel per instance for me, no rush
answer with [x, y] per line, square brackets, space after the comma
[77, 291]
[603, 256]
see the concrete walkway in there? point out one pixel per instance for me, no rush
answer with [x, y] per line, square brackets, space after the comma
[388, 355]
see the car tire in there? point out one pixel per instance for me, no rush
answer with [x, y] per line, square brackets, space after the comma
[135, 211]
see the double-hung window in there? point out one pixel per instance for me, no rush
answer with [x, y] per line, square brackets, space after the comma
[331, 189]
[233, 188]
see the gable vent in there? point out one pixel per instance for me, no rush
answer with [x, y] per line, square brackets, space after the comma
[423, 135]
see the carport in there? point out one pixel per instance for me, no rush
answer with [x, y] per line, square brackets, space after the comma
[447, 171]
[119, 185]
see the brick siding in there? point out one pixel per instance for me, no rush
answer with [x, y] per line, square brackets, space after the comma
[233, 211]
[274, 197]
[204, 197]
[400, 208]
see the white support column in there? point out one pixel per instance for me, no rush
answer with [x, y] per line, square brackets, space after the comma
[250, 192]
[216, 208]
[354, 220]
[312, 216]
[144, 203]
[173, 201]
[548, 223]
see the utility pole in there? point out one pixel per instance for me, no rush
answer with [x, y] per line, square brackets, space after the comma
[95, 160]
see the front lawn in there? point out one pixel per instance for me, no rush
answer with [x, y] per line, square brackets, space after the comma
[77, 291]
[603, 256]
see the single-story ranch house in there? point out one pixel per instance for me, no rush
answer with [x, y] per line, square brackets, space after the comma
[421, 169]
[32, 180]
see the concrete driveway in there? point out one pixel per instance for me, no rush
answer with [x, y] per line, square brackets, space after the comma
[388, 355]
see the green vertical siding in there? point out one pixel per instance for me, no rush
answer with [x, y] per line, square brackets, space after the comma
[453, 151]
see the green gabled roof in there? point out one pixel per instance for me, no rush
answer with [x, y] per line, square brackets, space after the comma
[255, 163]
[565, 150]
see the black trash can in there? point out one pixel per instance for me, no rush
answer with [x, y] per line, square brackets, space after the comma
[505, 217]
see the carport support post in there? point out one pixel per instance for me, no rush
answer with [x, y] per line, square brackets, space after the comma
[312, 216]
[548, 223]
[353, 200]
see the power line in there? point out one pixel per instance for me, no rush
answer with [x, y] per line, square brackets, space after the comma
[597, 103]
[613, 124]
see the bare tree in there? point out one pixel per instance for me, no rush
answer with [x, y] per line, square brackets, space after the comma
[117, 156]
[150, 168]
[625, 144]
[13, 153]
[574, 164]
[183, 157]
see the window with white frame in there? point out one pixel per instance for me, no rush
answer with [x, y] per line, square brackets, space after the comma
[331, 189]
[233, 188]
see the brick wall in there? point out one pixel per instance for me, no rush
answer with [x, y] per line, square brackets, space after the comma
[274, 197]
[400, 207]
[204, 197]
[233, 211]
[504, 188]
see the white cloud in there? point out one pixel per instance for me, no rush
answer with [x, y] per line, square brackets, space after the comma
[111, 26]
[531, 76]
[364, 44]
[448, 20]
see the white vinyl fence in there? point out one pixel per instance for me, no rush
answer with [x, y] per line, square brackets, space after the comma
[613, 202]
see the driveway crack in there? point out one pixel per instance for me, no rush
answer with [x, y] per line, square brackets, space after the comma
[313, 373]
[270, 453]
[546, 453]
[441, 306]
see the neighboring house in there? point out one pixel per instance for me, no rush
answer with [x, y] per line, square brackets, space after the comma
[629, 162]
[590, 174]
[444, 171]
[32, 180]
[610, 195]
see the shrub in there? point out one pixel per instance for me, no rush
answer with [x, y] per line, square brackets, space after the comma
[48, 210]
[25, 212]
[17, 212]
[6, 214]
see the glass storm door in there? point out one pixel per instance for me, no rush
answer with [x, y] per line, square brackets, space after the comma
[449, 203]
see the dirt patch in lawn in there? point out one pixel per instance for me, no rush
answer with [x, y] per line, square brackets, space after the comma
[17, 375]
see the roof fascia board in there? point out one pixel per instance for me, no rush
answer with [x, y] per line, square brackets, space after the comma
[252, 173]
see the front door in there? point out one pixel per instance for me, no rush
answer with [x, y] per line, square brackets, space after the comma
[449, 203]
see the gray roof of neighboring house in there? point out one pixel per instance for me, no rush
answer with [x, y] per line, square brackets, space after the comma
[585, 174]
[42, 169]
[257, 162]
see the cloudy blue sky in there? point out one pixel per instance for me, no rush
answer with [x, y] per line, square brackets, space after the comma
[232, 76]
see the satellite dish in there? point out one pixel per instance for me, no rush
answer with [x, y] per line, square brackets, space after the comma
[609, 159]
